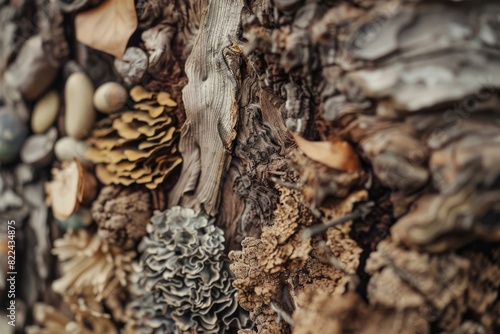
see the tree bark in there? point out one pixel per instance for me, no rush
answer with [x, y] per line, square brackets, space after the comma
[348, 151]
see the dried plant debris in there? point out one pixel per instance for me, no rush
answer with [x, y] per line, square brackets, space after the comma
[326, 176]
[137, 146]
[182, 284]
[122, 214]
[53, 321]
[92, 270]
[275, 268]
[71, 186]
[107, 27]
[75, 5]
[442, 288]
[335, 314]
[248, 197]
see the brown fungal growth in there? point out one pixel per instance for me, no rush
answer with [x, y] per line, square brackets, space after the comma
[442, 288]
[137, 146]
[122, 215]
[325, 313]
[262, 142]
[270, 269]
[71, 186]
[92, 270]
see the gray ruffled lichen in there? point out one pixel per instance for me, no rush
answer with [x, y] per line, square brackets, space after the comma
[181, 282]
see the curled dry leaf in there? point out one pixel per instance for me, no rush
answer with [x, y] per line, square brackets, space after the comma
[70, 187]
[107, 27]
[337, 154]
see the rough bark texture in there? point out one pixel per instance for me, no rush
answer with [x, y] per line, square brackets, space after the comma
[211, 108]
[348, 152]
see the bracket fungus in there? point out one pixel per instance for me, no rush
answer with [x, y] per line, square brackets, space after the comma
[137, 146]
[182, 275]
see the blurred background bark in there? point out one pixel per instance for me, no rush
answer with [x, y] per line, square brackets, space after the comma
[348, 150]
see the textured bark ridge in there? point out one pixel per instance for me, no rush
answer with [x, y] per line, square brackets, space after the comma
[340, 168]
[408, 84]
[262, 142]
[211, 108]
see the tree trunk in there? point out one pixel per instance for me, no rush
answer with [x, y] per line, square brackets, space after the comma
[347, 150]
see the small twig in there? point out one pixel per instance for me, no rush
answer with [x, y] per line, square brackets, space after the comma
[281, 313]
[320, 228]
[361, 211]
[285, 184]
[334, 261]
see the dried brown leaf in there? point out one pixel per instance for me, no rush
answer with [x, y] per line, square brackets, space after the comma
[336, 154]
[107, 27]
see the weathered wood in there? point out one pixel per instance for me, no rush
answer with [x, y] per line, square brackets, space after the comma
[210, 99]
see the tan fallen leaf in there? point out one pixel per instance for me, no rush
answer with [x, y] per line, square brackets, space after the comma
[107, 27]
[337, 154]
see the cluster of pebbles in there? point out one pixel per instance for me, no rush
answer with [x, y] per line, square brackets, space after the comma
[59, 125]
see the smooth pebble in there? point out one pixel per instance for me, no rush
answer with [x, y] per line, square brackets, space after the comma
[76, 221]
[80, 113]
[110, 97]
[68, 148]
[45, 112]
[13, 133]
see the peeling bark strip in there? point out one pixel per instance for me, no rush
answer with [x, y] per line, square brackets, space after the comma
[211, 108]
